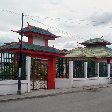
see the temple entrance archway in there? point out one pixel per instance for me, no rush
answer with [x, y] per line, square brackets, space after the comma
[39, 71]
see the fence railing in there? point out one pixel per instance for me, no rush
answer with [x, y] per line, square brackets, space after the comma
[9, 66]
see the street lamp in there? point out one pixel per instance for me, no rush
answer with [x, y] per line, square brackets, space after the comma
[20, 61]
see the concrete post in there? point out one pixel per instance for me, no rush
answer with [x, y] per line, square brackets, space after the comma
[85, 69]
[98, 69]
[28, 69]
[71, 72]
[108, 70]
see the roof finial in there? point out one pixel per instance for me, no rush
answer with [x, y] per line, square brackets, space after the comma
[29, 26]
[101, 36]
[28, 23]
[19, 39]
[77, 44]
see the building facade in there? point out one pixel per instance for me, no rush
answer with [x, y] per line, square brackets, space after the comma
[91, 64]
[36, 49]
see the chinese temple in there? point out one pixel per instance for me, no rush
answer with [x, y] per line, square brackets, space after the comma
[37, 47]
[88, 65]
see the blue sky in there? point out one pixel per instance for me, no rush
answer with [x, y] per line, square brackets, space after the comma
[74, 20]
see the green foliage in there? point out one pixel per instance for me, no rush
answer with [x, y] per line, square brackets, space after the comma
[38, 69]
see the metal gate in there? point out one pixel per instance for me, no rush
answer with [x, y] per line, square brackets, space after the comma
[78, 69]
[9, 66]
[62, 68]
[39, 70]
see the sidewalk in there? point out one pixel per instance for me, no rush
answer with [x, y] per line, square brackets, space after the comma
[45, 93]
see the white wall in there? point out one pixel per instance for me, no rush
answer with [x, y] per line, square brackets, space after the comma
[62, 83]
[90, 81]
[80, 82]
[39, 41]
[11, 87]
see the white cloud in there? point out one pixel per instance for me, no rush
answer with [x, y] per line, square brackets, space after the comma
[73, 17]
[101, 19]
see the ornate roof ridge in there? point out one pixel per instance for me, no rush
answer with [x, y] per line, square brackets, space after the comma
[95, 41]
[27, 46]
[38, 30]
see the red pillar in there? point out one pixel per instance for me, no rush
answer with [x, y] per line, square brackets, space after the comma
[30, 40]
[51, 73]
[46, 42]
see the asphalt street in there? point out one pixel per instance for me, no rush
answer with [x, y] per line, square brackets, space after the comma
[90, 101]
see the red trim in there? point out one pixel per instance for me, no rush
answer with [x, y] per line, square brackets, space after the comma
[35, 53]
[30, 40]
[108, 61]
[46, 42]
[37, 34]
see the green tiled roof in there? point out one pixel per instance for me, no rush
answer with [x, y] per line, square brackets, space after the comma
[96, 40]
[37, 30]
[91, 52]
[32, 47]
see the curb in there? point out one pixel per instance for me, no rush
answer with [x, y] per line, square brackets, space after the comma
[40, 96]
[84, 89]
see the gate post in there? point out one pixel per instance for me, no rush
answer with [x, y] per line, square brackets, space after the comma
[71, 73]
[51, 73]
[108, 68]
[85, 69]
[28, 69]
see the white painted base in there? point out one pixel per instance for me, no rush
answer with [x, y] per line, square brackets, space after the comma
[11, 87]
[62, 83]
[90, 81]
[80, 82]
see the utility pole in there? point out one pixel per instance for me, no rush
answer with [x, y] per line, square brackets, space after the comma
[20, 61]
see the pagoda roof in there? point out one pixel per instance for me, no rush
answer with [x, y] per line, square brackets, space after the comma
[32, 30]
[96, 41]
[90, 52]
[14, 46]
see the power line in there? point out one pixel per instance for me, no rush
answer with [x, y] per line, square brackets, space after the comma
[49, 27]
[31, 18]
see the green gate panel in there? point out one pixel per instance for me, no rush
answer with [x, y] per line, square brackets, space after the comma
[78, 69]
[103, 69]
[91, 69]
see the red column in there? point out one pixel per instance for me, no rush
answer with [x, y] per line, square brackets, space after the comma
[51, 73]
[30, 40]
[46, 42]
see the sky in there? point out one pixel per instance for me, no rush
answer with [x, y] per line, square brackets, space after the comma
[74, 20]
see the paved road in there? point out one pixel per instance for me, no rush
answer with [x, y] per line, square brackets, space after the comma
[99, 101]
